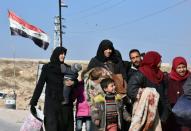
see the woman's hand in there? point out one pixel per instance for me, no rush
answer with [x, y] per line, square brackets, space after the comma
[33, 109]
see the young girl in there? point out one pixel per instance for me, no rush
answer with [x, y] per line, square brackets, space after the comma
[82, 108]
[176, 79]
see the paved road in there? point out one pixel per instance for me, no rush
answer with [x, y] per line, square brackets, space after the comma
[11, 120]
[7, 126]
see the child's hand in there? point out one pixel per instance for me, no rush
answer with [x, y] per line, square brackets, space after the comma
[97, 122]
[68, 82]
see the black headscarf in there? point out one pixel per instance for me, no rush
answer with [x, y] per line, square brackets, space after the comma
[118, 54]
[54, 59]
[104, 45]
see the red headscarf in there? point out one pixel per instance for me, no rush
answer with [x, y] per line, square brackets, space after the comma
[173, 74]
[149, 67]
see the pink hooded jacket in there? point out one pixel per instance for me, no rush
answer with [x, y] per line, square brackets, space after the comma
[82, 106]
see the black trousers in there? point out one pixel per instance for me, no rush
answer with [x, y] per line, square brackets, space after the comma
[60, 119]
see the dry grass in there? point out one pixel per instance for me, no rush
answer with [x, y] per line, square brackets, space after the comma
[24, 80]
[6, 62]
[9, 72]
[31, 79]
[6, 85]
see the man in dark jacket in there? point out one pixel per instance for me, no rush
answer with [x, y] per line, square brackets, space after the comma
[58, 117]
[135, 57]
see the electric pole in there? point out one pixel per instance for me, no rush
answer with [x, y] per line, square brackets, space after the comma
[61, 4]
[56, 32]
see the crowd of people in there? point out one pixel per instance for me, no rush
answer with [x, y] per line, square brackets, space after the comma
[112, 94]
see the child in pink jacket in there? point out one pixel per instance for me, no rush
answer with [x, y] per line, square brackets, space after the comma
[82, 109]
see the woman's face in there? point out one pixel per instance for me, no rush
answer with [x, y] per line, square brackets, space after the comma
[107, 52]
[61, 57]
[181, 69]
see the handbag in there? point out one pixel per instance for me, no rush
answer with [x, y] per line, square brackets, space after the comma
[33, 121]
[182, 111]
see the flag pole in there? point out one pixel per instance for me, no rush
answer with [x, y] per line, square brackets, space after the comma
[14, 73]
[14, 97]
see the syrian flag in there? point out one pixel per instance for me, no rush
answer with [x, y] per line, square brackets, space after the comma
[62, 3]
[20, 27]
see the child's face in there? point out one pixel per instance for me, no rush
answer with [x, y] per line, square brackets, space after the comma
[110, 88]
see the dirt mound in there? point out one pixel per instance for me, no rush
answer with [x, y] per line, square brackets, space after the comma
[21, 76]
[18, 75]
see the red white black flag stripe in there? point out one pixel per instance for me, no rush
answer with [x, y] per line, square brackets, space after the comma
[20, 27]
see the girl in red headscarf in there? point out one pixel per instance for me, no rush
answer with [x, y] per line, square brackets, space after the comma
[176, 79]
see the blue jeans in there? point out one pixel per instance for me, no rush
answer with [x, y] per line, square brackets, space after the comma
[80, 121]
